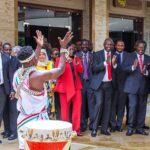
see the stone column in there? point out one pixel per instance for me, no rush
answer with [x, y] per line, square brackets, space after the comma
[100, 22]
[9, 21]
[86, 20]
[147, 29]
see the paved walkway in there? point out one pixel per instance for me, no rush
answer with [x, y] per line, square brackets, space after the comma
[117, 141]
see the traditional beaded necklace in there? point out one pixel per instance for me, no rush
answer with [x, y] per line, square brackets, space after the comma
[23, 73]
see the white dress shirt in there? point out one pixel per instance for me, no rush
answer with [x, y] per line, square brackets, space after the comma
[1, 70]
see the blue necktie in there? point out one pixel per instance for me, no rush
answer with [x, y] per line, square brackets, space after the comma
[119, 58]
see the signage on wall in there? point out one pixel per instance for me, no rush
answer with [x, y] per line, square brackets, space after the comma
[130, 4]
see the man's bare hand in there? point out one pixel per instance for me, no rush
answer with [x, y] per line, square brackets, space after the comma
[39, 38]
[144, 70]
[12, 95]
[108, 59]
[64, 42]
[135, 64]
[114, 60]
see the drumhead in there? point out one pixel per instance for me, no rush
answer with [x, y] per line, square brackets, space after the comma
[48, 125]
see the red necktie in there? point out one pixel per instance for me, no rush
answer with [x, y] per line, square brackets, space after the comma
[109, 67]
[141, 63]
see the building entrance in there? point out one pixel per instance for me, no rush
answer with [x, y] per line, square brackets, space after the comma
[128, 29]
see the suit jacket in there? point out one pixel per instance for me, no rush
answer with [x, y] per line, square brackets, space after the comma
[15, 64]
[120, 74]
[99, 70]
[7, 73]
[89, 62]
[65, 83]
[136, 82]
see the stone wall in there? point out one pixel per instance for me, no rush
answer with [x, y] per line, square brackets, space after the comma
[8, 21]
[147, 29]
[73, 4]
[86, 20]
[100, 23]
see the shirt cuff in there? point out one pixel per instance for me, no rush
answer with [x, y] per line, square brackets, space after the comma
[133, 68]
[146, 74]
[105, 64]
[115, 66]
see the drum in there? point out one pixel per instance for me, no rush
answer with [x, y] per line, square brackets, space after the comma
[47, 135]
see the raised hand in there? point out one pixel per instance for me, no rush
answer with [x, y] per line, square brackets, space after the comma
[39, 38]
[108, 59]
[144, 69]
[135, 64]
[67, 38]
[75, 60]
[114, 60]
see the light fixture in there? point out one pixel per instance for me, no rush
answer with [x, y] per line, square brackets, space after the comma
[24, 7]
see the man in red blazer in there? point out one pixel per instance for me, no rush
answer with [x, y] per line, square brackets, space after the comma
[69, 88]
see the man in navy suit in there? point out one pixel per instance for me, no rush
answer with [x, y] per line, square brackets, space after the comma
[10, 111]
[6, 89]
[103, 83]
[120, 97]
[87, 98]
[136, 86]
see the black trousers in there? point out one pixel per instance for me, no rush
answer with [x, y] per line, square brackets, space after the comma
[3, 99]
[87, 105]
[118, 108]
[137, 111]
[103, 98]
[10, 116]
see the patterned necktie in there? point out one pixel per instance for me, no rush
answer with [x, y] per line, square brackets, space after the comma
[109, 67]
[85, 75]
[141, 63]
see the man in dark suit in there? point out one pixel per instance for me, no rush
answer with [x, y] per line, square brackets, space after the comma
[87, 98]
[102, 83]
[136, 86]
[120, 97]
[5, 82]
[10, 111]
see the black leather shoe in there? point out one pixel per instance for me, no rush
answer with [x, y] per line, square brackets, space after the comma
[0, 142]
[112, 129]
[142, 132]
[3, 133]
[12, 137]
[129, 132]
[105, 133]
[93, 133]
[119, 129]
[83, 128]
[6, 135]
[146, 127]
[79, 134]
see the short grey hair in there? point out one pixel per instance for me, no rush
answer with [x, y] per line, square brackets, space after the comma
[16, 49]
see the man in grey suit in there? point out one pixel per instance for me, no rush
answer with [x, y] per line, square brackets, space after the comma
[5, 81]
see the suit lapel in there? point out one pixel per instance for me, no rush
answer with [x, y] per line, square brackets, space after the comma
[103, 56]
